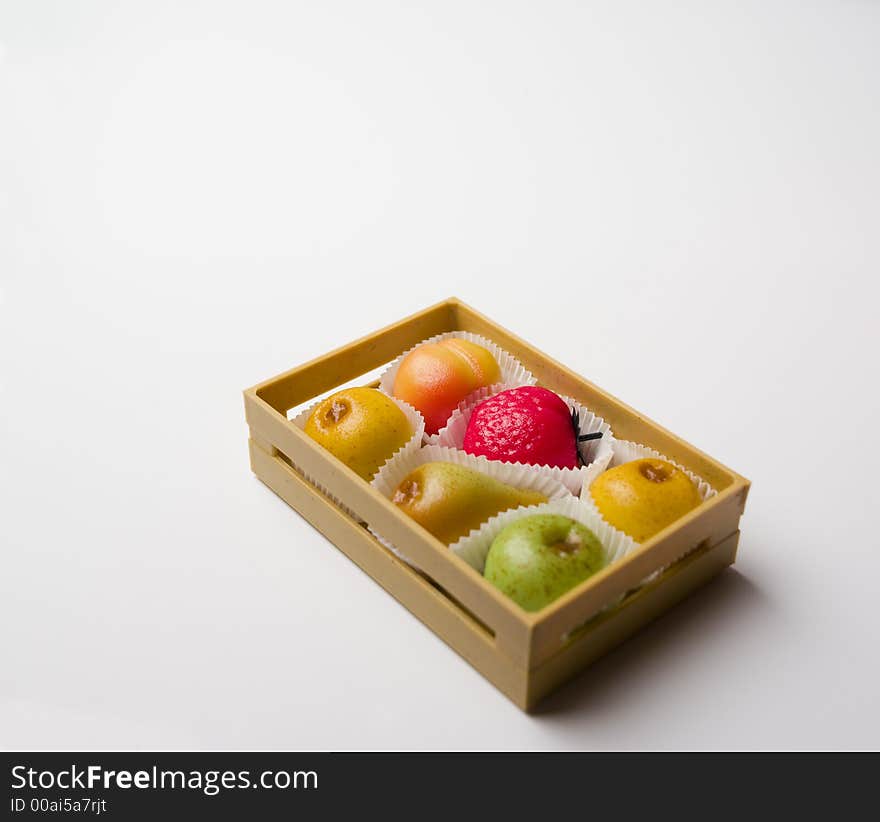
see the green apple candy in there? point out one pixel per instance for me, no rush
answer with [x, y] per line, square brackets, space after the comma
[538, 558]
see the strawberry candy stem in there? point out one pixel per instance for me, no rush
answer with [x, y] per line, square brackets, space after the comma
[579, 438]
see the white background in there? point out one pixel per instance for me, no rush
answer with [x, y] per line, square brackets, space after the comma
[678, 200]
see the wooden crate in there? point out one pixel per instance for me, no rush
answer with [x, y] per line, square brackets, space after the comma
[525, 655]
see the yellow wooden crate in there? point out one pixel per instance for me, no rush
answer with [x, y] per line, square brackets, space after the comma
[525, 655]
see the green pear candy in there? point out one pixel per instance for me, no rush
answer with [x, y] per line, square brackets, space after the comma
[450, 500]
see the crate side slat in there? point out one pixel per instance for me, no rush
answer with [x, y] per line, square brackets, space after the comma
[677, 583]
[709, 524]
[406, 585]
[511, 624]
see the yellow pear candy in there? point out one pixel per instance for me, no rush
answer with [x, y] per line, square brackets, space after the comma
[361, 427]
[642, 497]
[450, 500]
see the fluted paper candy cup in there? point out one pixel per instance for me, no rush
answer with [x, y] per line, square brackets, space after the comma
[512, 370]
[519, 476]
[598, 453]
[416, 423]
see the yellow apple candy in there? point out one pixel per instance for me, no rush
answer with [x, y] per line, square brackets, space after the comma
[642, 497]
[361, 427]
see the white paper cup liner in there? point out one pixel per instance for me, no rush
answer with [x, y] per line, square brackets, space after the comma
[413, 417]
[519, 476]
[474, 548]
[598, 452]
[512, 370]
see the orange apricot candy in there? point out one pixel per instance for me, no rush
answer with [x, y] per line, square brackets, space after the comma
[435, 377]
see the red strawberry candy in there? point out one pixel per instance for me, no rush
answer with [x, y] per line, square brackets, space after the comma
[528, 424]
